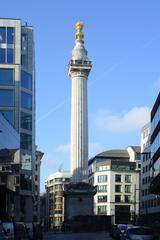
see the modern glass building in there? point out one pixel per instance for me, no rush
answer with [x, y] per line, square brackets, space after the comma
[155, 147]
[17, 103]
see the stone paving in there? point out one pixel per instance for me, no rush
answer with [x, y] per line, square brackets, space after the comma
[77, 236]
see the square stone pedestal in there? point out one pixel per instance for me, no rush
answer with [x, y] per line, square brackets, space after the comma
[78, 199]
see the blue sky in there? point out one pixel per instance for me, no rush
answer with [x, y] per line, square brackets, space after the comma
[123, 42]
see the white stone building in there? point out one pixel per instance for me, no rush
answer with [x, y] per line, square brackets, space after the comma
[116, 175]
[55, 184]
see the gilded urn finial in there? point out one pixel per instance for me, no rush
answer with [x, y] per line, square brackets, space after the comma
[79, 33]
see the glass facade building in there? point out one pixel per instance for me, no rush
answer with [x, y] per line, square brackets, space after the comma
[155, 147]
[17, 102]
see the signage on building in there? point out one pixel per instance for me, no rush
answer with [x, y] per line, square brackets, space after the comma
[26, 162]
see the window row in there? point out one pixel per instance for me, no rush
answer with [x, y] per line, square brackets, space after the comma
[146, 169]
[26, 119]
[146, 180]
[146, 156]
[127, 188]
[118, 188]
[118, 178]
[7, 77]
[145, 192]
[127, 198]
[151, 203]
[118, 198]
[117, 167]
[7, 99]
[7, 35]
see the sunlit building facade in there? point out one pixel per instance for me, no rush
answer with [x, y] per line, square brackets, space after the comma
[55, 185]
[116, 174]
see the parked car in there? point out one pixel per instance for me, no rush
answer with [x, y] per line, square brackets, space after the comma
[139, 233]
[3, 234]
[121, 231]
[8, 228]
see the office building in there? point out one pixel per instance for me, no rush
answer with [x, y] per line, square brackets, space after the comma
[150, 203]
[9, 169]
[116, 175]
[155, 147]
[55, 185]
[17, 103]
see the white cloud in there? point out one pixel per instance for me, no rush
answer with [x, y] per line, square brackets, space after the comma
[129, 121]
[64, 148]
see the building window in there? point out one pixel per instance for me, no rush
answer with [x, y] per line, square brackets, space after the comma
[102, 198]
[2, 55]
[26, 141]
[127, 198]
[117, 188]
[102, 188]
[24, 48]
[10, 35]
[9, 115]
[117, 178]
[26, 182]
[10, 55]
[6, 76]
[26, 121]
[128, 188]
[26, 100]
[2, 35]
[128, 178]
[6, 97]
[7, 48]
[117, 198]
[26, 80]
[103, 168]
[102, 209]
[102, 178]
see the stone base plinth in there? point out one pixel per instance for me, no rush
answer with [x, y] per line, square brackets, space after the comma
[78, 199]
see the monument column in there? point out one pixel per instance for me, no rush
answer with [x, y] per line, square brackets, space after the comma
[78, 194]
[78, 70]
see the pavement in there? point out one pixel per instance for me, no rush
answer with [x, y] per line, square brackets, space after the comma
[77, 236]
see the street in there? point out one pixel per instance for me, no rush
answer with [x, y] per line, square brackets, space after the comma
[77, 236]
